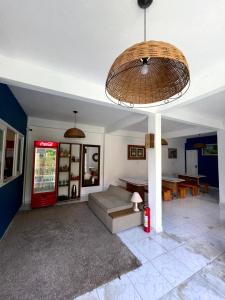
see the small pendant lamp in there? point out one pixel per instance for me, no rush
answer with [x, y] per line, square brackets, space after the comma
[149, 73]
[199, 145]
[74, 132]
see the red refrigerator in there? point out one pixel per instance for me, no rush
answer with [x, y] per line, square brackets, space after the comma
[45, 172]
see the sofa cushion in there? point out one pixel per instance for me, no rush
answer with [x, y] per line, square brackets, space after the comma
[110, 202]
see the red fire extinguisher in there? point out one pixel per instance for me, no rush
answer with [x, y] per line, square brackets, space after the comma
[146, 219]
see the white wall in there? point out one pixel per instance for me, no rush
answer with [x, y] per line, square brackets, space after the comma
[221, 165]
[174, 166]
[113, 155]
[116, 163]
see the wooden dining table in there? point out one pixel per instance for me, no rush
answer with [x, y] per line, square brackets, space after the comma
[140, 185]
[194, 178]
[171, 183]
[136, 185]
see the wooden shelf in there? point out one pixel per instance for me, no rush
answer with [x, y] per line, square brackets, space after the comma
[121, 213]
[73, 150]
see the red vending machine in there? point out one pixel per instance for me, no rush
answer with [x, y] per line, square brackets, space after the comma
[44, 183]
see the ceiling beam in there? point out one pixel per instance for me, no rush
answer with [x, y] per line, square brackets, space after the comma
[187, 132]
[125, 122]
[194, 118]
[39, 78]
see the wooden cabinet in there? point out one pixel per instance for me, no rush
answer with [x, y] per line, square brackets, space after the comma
[69, 178]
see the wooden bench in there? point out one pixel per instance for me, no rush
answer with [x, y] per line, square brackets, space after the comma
[205, 186]
[194, 187]
[167, 194]
[182, 191]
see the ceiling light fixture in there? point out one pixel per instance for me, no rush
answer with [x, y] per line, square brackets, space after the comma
[199, 145]
[150, 73]
[74, 132]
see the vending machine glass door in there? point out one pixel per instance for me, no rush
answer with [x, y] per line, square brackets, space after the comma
[44, 170]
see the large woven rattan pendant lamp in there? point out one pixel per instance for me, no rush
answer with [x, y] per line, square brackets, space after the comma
[74, 132]
[149, 73]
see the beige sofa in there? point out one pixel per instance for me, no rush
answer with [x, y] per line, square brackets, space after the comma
[112, 200]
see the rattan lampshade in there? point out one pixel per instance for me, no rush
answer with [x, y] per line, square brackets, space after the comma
[74, 132]
[147, 73]
[199, 145]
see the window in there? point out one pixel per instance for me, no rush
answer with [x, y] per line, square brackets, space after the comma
[19, 155]
[11, 152]
[2, 151]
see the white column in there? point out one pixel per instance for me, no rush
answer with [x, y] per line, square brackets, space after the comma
[221, 164]
[154, 156]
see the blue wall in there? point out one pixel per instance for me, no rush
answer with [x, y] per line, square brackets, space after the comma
[11, 193]
[207, 165]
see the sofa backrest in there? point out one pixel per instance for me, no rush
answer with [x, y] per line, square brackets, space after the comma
[120, 192]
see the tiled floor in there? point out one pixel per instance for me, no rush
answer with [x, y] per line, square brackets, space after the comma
[186, 261]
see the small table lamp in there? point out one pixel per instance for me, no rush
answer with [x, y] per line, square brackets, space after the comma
[136, 198]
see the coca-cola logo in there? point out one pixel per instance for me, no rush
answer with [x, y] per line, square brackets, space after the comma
[45, 144]
[48, 144]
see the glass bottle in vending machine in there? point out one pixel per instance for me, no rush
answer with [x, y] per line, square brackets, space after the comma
[44, 183]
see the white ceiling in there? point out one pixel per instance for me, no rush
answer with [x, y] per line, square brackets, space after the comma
[46, 106]
[83, 37]
[167, 126]
[212, 106]
[80, 40]
[51, 107]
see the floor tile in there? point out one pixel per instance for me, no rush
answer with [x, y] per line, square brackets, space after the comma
[173, 270]
[134, 234]
[170, 296]
[118, 289]
[166, 241]
[203, 248]
[88, 296]
[149, 248]
[195, 228]
[180, 235]
[212, 240]
[214, 274]
[196, 288]
[194, 261]
[149, 283]
[219, 232]
[137, 252]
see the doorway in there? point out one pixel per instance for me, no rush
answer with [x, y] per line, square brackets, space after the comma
[192, 162]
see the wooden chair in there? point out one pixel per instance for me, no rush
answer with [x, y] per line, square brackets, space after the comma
[167, 194]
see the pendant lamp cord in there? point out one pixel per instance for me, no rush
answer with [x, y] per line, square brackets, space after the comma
[145, 24]
[75, 119]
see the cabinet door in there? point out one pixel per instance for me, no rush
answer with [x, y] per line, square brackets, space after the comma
[45, 170]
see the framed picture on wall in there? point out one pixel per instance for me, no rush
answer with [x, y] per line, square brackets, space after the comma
[172, 153]
[136, 152]
[210, 150]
